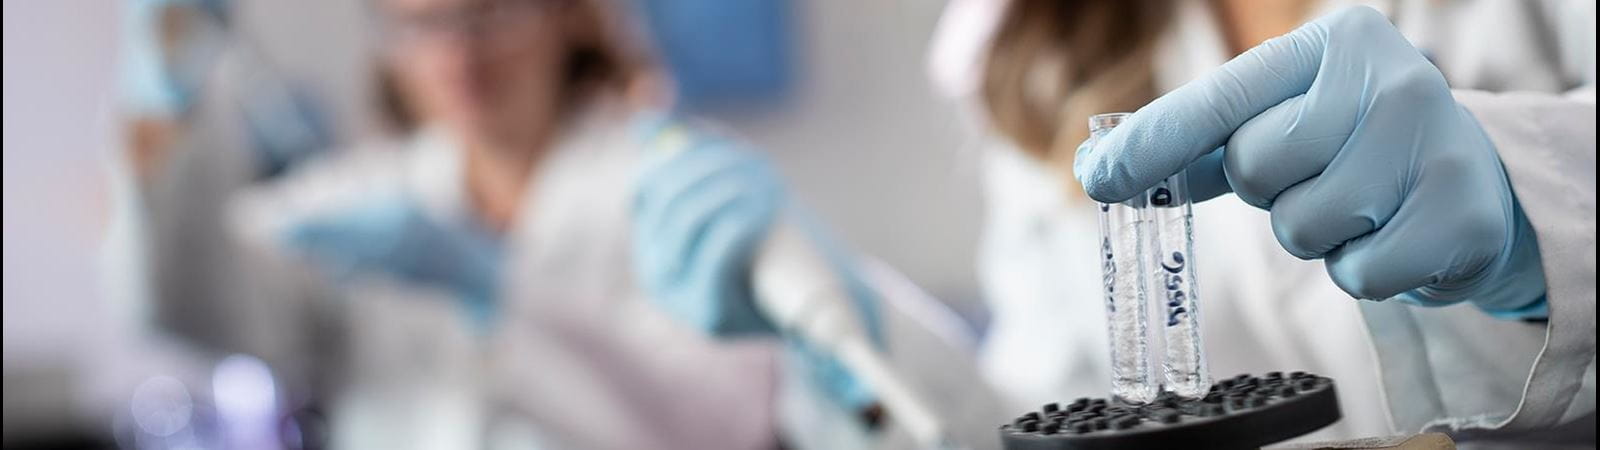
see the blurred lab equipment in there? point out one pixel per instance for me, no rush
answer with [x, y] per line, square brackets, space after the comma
[796, 288]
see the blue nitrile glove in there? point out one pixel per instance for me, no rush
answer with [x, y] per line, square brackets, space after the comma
[393, 237]
[1352, 140]
[702, 207]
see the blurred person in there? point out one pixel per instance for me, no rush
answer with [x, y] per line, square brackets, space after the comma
[1512, 359]
[186, 59]
[517, 268]
[206, 113]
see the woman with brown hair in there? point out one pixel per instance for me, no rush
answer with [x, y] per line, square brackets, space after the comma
[1346, 143]
[481, 261]
[503, 261]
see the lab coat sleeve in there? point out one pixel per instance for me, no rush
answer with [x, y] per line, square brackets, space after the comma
[1547, 143]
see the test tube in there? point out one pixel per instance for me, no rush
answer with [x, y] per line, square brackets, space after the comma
[1158, 227]
[1171, 262]
[1123, 240]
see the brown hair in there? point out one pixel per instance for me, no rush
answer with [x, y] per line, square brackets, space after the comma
[600, 60]
[1054, 63]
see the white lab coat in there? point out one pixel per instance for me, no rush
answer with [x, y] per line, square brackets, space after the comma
[578, 357]
[1399, 369]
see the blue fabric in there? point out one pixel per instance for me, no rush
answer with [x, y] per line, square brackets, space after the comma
[1352, 140]
[721, 51]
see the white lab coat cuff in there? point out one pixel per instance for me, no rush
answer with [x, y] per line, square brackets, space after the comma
[1547, 144]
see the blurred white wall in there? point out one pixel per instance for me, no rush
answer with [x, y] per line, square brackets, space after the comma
[59, 62]
[59, 75]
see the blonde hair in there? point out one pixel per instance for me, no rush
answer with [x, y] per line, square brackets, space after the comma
[1054, 63]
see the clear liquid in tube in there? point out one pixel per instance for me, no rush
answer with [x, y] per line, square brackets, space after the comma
[1174, 284]
[1124, 240]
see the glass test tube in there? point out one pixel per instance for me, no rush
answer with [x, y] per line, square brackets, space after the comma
[1157, 229]
[1171, 262]
[1123, 238]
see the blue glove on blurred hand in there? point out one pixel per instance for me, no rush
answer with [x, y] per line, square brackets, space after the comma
[395, 238]
[702, 208]
[1352, 140]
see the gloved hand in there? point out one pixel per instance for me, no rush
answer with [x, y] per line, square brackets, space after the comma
[1352, 140]
[702, 207]
[393, 237]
